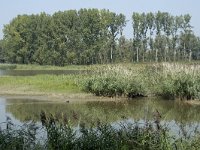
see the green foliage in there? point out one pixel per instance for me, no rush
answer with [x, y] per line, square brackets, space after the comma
[163, 37]
[61, 135]
[114, 81]
[177, 81]
[93, 36]
[22, 138]
[166, 80]
[68, 37]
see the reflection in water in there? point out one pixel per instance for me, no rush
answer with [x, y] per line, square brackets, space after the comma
[38, 72]
[89, 112]
[173, 114]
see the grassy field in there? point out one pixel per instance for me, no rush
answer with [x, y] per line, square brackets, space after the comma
[49, 85]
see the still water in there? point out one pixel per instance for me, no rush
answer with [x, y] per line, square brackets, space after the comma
[38, 72]
[172, 113]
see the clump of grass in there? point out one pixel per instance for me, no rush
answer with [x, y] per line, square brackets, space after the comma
[178, 81]
[168, 80]
[115, 81]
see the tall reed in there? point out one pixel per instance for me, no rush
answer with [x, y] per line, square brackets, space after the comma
[115, 81]
[169, 80]
[61, 135]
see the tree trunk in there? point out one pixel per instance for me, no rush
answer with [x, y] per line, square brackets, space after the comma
[137, 54]
[174, 55]
[111, 54]
[184, 52]
[156, 58]
[190, 55]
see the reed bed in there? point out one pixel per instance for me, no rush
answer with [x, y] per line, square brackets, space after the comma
[169, 80]
[115, 81]
[177, 81]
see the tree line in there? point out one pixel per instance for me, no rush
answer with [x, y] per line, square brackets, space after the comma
[163, 37]
[93, 36]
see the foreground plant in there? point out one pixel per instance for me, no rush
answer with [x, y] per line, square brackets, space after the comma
[14, 138]
[150, 135]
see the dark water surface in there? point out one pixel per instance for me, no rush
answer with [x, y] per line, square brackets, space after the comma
[38, 72]
[172, 113]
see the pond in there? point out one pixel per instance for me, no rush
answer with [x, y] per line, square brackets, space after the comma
[38, 72]
[173, 113]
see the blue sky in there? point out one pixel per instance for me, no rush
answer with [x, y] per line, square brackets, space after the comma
[11, 8]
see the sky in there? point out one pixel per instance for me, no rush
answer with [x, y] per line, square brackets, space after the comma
[11, 8]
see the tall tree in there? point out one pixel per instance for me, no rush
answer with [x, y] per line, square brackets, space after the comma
[136, 33]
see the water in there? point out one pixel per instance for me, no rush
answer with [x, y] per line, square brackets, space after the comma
[172, 113]
[38, 72]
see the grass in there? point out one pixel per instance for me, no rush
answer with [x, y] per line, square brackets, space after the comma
[177, 81]
[115, 81]
[62, 135]
[40, 84]
[169, 80]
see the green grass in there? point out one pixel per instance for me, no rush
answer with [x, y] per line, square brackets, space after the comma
[169, 80]
[39, 84]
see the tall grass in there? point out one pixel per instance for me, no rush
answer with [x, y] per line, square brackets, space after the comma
[14, 138]
[61, 135]
[169, 80]
[177, 81]
[115, 81]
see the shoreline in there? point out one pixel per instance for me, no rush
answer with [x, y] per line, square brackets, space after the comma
[57, 97]
[70, 97]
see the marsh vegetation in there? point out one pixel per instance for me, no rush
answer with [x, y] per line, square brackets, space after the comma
[62, 135]
[92, 36]
[169, 80]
